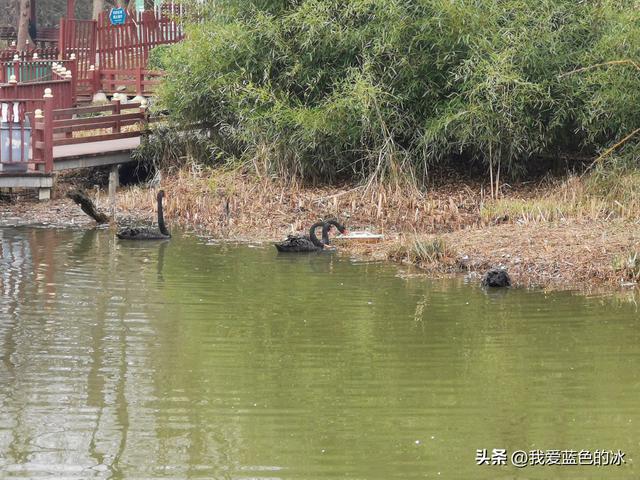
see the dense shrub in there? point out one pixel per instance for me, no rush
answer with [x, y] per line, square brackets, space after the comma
[331, 88]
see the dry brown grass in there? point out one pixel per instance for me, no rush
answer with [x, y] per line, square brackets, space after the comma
[574, 253]
[232, 204]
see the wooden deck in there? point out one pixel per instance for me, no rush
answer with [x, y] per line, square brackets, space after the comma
[95, 148]
[93, 154]
[66, 157]
[70, 138]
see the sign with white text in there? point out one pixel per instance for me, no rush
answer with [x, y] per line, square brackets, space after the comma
[117, 16]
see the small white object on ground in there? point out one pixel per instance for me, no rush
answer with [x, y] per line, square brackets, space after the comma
[361, 236]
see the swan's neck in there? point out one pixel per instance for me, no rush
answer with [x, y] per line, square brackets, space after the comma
[325, 233]
[161, 225]
[312, 234]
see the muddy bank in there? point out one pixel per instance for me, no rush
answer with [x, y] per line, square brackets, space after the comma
[557, 256]
[444, 231]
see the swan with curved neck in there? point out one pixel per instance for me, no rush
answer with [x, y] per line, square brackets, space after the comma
[306, 243]
[333, 222]
[310, 243]
[146, 233]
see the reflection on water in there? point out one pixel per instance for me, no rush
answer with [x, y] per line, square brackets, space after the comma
[184, 360]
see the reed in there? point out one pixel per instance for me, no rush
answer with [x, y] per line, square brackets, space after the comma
[606, 194]
[420, 251]
[234, 203]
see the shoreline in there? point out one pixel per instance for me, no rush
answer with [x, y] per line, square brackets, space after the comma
[442, 233]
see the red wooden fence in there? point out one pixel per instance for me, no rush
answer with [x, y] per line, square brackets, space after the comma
[78, 37]
[49, 53]
[34, 70]
[139, 80]
[126, 47]
[119, 53]
[105, 57]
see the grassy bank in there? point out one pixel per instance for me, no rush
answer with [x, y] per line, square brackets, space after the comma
[555, 234]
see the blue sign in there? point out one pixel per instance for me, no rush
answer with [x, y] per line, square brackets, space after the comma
[117, 16]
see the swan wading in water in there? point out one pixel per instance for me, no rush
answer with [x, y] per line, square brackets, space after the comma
[309, 243]
[147, 233]
[305, 243]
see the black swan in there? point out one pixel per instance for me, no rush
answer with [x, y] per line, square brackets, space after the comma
[310, 243]
[147, 233]
[305, 243]
[496, 277]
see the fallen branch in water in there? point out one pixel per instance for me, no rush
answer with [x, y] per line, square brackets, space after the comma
[88, 207]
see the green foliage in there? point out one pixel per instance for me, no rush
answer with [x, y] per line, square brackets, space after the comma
[628, 266]
[322, 89]
[422, 251]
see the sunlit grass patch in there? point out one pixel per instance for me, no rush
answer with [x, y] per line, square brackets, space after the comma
[597, 196]
[628, 266]
[421, 251]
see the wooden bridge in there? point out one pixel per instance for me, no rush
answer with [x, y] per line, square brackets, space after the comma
[32, 151]
[46, 124]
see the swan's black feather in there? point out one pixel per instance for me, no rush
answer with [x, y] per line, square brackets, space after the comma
[310, 243]
[141, 233]
[297, 243]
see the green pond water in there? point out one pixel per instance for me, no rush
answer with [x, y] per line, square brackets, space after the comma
[184, 359]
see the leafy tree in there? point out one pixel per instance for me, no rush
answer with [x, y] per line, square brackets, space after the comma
[324, 89]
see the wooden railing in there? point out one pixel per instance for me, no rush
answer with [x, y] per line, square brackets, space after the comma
[48, 53]
[35, 69]
[136, 80]
[61, 85]
[56, 127]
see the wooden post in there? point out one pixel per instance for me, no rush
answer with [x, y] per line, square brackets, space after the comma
[48, 131]
[95, 79]
[16, 67]
[113, 185]
[71, 9]
[73, 68]
[68, 132]
[116, 111]
[139, 81]
[144, 113]
[37, 137]
[61, 39]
